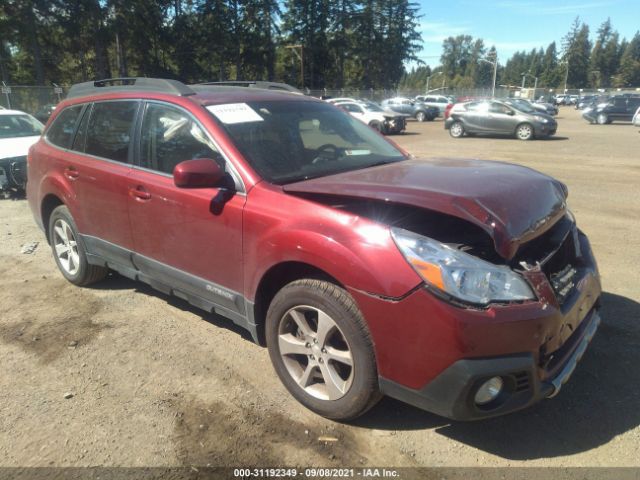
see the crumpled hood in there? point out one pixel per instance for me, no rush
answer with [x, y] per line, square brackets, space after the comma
[16, 147]
[513, 204]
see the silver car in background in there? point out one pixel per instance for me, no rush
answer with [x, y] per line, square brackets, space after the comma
[496, 117]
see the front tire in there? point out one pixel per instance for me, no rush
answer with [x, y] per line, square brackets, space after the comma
[524, 131]
[456, 130]
[321, 349]
[69, 251]
[602, 119]
[421, 116]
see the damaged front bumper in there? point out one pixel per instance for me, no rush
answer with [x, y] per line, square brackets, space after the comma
[436, 355]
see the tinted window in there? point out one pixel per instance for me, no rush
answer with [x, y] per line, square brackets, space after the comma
[170, 136]
[79, 140]
[109, 130]
[61, 131]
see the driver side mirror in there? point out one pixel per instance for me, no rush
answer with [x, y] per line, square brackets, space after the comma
[198, 173]
[511, 112]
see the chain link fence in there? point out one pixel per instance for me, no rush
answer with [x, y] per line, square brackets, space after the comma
[32, 99]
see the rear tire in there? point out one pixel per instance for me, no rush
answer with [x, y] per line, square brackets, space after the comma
[69, 251]
[321, 349]
[456, 130]
[524, 131]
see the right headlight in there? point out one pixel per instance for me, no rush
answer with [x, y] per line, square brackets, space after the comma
[459, 274]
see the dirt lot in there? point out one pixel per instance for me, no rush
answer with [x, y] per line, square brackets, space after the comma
[156, 382]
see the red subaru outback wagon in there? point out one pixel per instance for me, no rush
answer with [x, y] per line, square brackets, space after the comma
[463, 287]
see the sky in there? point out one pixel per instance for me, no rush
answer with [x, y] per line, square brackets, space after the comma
[514, 25]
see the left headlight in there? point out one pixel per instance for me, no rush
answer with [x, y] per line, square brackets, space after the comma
[459, 274]
[541, 119]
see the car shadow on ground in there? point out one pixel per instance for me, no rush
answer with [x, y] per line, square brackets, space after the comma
[601, 401]
[512, 138]
[115, 281]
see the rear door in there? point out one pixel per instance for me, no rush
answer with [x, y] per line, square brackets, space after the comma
[96, 165]
[188, 239]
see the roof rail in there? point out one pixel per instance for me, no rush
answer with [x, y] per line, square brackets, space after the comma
[266, 85]
[132, 84]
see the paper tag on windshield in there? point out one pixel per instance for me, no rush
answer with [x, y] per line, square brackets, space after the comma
[230, 113]
[357, 152]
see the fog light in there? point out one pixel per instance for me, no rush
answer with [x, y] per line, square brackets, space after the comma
[489, 391]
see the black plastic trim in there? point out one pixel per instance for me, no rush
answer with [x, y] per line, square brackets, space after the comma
[169, 280]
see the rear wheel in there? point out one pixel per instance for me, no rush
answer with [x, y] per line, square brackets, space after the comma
[602, 119]
[321, 349]
[421, 116]
[456, 130]
[524, 131]
[69, 252]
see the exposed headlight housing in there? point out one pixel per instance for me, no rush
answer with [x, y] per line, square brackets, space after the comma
[459, 274]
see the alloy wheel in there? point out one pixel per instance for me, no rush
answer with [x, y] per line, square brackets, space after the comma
[525, 132]
[66, 247]
[315, 352]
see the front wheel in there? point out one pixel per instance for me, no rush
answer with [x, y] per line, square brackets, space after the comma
[69, 252]
[456, 130]
[602, 119]
[421, 116]
[524, 131]
[321, 349]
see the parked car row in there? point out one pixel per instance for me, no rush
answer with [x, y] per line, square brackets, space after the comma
[618, 108]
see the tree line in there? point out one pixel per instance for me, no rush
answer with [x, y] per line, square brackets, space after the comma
[582, 62]
[338, 43]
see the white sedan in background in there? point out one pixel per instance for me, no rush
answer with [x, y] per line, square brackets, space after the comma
[18, 131]
[374, 116]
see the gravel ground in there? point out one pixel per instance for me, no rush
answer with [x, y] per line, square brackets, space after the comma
[120, 375]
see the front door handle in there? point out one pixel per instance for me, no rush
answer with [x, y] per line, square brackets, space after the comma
[139, 193]
[71, 173]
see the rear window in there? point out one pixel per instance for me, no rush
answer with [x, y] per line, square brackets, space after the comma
[61, 132]
[109, 130]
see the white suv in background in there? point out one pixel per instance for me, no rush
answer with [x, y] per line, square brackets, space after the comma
[438, 101]
[374, 116]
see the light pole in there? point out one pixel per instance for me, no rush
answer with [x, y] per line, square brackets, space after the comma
[535, 85]
[429, 78]
[495, 71]
[566, 74]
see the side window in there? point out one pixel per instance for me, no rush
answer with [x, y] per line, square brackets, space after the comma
[81, 135]
[109, 130]
[170, 136]
[61, 131]
[499, 108]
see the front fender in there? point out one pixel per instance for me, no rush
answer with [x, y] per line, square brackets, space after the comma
[356, 251]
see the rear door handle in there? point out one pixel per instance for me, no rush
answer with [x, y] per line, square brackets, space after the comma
[139, 193]
[71, 173]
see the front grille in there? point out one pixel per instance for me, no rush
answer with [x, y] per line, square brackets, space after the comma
[555, 251]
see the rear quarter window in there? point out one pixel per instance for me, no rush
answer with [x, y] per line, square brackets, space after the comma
[62, 129]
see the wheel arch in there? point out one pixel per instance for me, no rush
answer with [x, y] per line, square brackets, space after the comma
[49, 203]
[272, 281]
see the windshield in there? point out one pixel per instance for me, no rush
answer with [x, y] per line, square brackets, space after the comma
[373, 107]
[288, 141]
[20, 125]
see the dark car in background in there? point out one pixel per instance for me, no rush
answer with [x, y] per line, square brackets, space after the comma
[527, 104]
[44, 112]
[417, 110]
[620, 108]
[497, 117]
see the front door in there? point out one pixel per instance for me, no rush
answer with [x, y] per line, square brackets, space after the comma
[186, 239]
